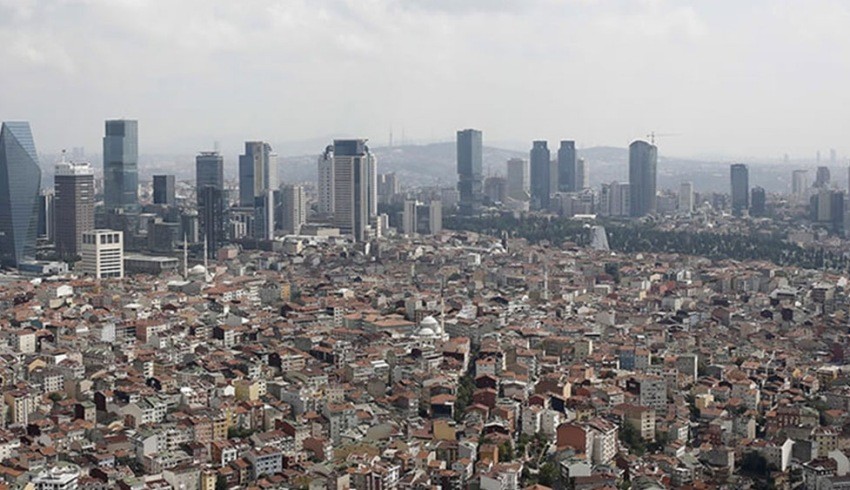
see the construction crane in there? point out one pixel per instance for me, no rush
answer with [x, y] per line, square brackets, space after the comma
[653, 135]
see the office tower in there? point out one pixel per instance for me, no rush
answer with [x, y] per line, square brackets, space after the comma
[518, 179]
[74, 187]
[351, 193]
[496, 189]
[469, 168]
[615, 200]
[209, 186]
[822, 177]
[422, 219]
[102, 254]
[799, 183]
[46, 216]
[740, 182]
[387, 187]
[294, 207]
[540, 174]
[163, 190]
[20, 181]
[408, 218]
[121, 164]
[582, 175]
[686, 197]
[326, 181]
[257, 182]
[372, 185]
[567, 170]
[643, 164]
[758, 202]
[190, 226]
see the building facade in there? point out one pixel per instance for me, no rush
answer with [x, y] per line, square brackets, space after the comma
[567, 170]
[540, 174]
[643, 165]
[164, 192]
[740, 181]
[351, 187]
[470, 168]
[20, 181]
[74, 206]
[121, 164]
[103, 254]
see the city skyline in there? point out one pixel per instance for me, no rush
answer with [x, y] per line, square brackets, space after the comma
[699, 74]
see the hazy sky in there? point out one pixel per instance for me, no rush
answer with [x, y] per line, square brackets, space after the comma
[733, 77]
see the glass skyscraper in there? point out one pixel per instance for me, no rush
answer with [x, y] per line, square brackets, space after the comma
[470, 184]
[20, 180]
[209, 184]
[351, 186]
[121, 164]
[567, 171]
[740, 179]
[643, 165]
[540, 174]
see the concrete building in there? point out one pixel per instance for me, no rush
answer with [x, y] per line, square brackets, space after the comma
[351, 161]
[686, 197]
[519, 180]
[164, 192]
[469, 168]
[103, 254]
[293, 209]
[74, 185]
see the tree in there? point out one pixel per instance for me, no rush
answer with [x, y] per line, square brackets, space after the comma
[220, 483]
[549, 474]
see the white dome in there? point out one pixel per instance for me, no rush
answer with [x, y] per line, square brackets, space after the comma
[425, 332]
[429, 322]
[198, 269]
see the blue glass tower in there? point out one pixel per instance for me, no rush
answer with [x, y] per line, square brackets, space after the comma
[20, 180]
[121, 164]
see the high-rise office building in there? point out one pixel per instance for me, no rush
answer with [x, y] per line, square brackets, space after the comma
[74, 187]
[615, 200]
[387, 187]
[582, 175]
[46, 216]
[121, 164]
[496, 189]
[686, 197]
[567, 170]
[326, 181]
[294, 209]
[209, 184]
[20, 181]
[372, 185]
[257, 183]
[799, 183]
[518, 179]
[758, 202]
[822, 177]
[102, 254]
[164, 192]
[643, 165]
[422, 219]
[469, 168]
[540, 174]
[740, 181]
[351, 187]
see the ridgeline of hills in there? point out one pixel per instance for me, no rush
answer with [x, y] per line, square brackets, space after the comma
[435, 164]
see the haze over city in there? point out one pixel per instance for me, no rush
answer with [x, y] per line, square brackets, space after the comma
[731, 79]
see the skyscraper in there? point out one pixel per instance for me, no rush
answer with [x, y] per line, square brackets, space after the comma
[758, 202]
[582, 175]
[540, 174]
[686, 197]
[20, 180]
[372, 185]
[643, 164]
[294, 209]
[257, 183]
[740, 180]
[567, 167]
[74, 187]
[121, 164]
[209, 183]
[822, 177]
[163, 190]
[469, 168]
[518, 179]
[351, 188]
[799, 183]
[326, 181]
